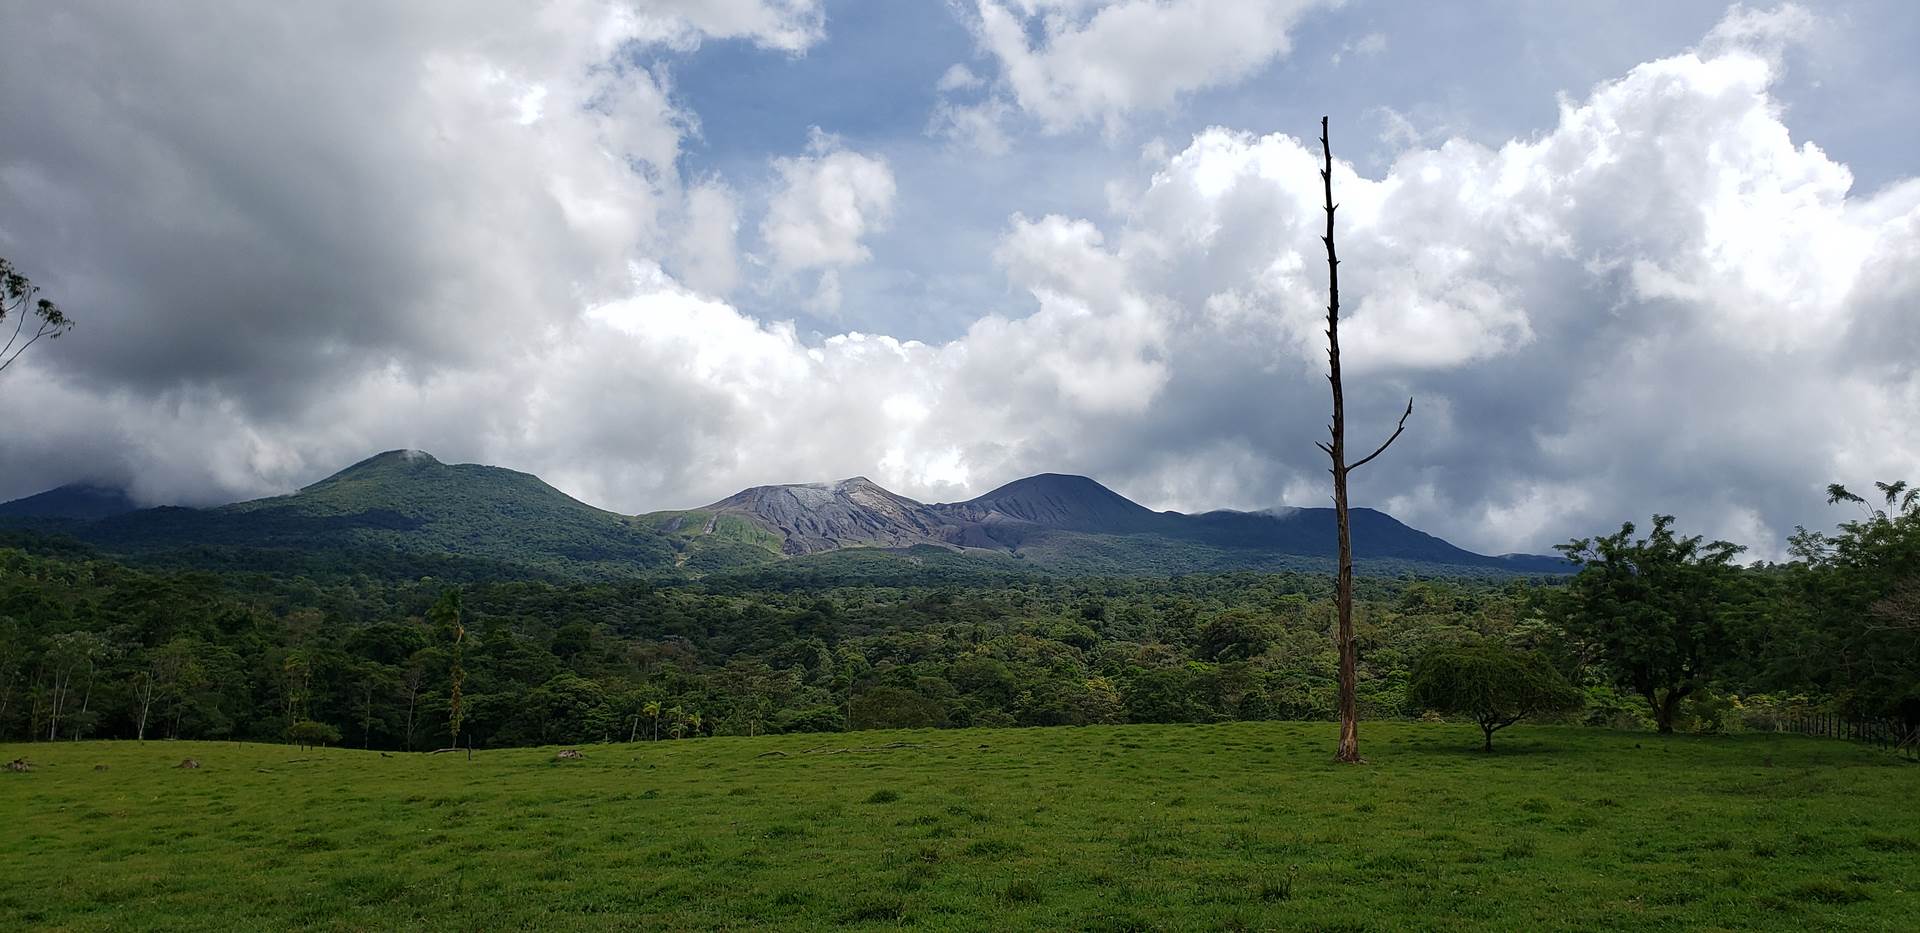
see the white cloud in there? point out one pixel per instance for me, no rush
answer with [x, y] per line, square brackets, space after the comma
[1767, 32]
[789, 25]
[1366, 46]
[829, 201]
[709, 257]
[958, 78]
[1662, 302]
[980, 126]
[1068, 63]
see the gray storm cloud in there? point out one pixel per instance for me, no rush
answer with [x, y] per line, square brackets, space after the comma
[294, 240]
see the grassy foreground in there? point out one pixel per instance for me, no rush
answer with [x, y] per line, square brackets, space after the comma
[1243, 826]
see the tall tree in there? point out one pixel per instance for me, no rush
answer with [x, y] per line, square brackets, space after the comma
[18, 300]
[411, 680]
[445, 616]
[160, 679]
[1653, 610]
[1349, 750]
[68, 655]
[1861, 593]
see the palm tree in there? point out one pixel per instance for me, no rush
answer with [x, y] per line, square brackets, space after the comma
[652, 708]
[693, 721]
[676, 722]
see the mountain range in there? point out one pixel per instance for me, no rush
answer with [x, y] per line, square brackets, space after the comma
[404, 513]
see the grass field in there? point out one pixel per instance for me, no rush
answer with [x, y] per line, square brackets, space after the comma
[1244, 826]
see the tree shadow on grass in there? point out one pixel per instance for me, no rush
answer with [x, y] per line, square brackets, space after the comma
[1501, 750]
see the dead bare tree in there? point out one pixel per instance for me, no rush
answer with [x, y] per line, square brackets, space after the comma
[1337, 450]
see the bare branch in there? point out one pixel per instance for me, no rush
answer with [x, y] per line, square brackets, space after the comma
[1402, 426]
[21, 309]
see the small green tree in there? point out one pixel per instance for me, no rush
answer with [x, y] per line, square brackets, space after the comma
[307, 734]
[1492, 683]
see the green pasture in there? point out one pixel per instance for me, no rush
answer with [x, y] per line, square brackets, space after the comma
[1240, 826]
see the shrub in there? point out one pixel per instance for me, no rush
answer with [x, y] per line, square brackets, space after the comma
[306, 733]
[1492, 683]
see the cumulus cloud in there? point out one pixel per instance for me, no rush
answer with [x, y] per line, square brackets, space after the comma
[1768, 32]
[1068, 63]
[709, 260]
[480, 244]
[828, 202]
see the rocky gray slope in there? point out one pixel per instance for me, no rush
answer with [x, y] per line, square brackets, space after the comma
[855, 512]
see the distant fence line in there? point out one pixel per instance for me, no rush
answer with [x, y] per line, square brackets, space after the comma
[1888, 734]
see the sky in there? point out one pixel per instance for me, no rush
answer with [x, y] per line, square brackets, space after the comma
[1628, 258]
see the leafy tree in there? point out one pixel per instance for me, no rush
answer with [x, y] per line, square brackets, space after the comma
[894, 708]
[814, 719]
[169, 667]
[410, 683]
[1234, 635]
[1496, 685]
[307, 734]
[297, 668]
[69, 655]
[567, 709]
[18, 300]
[1652, 610]
[374, 676]
[1858, 630]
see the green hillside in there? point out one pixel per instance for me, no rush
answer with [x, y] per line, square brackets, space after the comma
[403, 508]
[1246, 826]
[708, 542]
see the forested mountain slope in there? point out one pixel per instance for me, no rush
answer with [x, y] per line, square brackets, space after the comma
[404, 514]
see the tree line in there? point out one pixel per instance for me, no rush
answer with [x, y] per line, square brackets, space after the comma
[1656, 630]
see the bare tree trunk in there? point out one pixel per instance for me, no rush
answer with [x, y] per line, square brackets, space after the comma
[61, 680]
[413, 695]
[145, 693]
[86, 699]
[1349, 750]
[37, 697]
[9, 672]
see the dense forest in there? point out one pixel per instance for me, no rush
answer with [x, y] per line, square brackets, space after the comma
[1656, 631]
